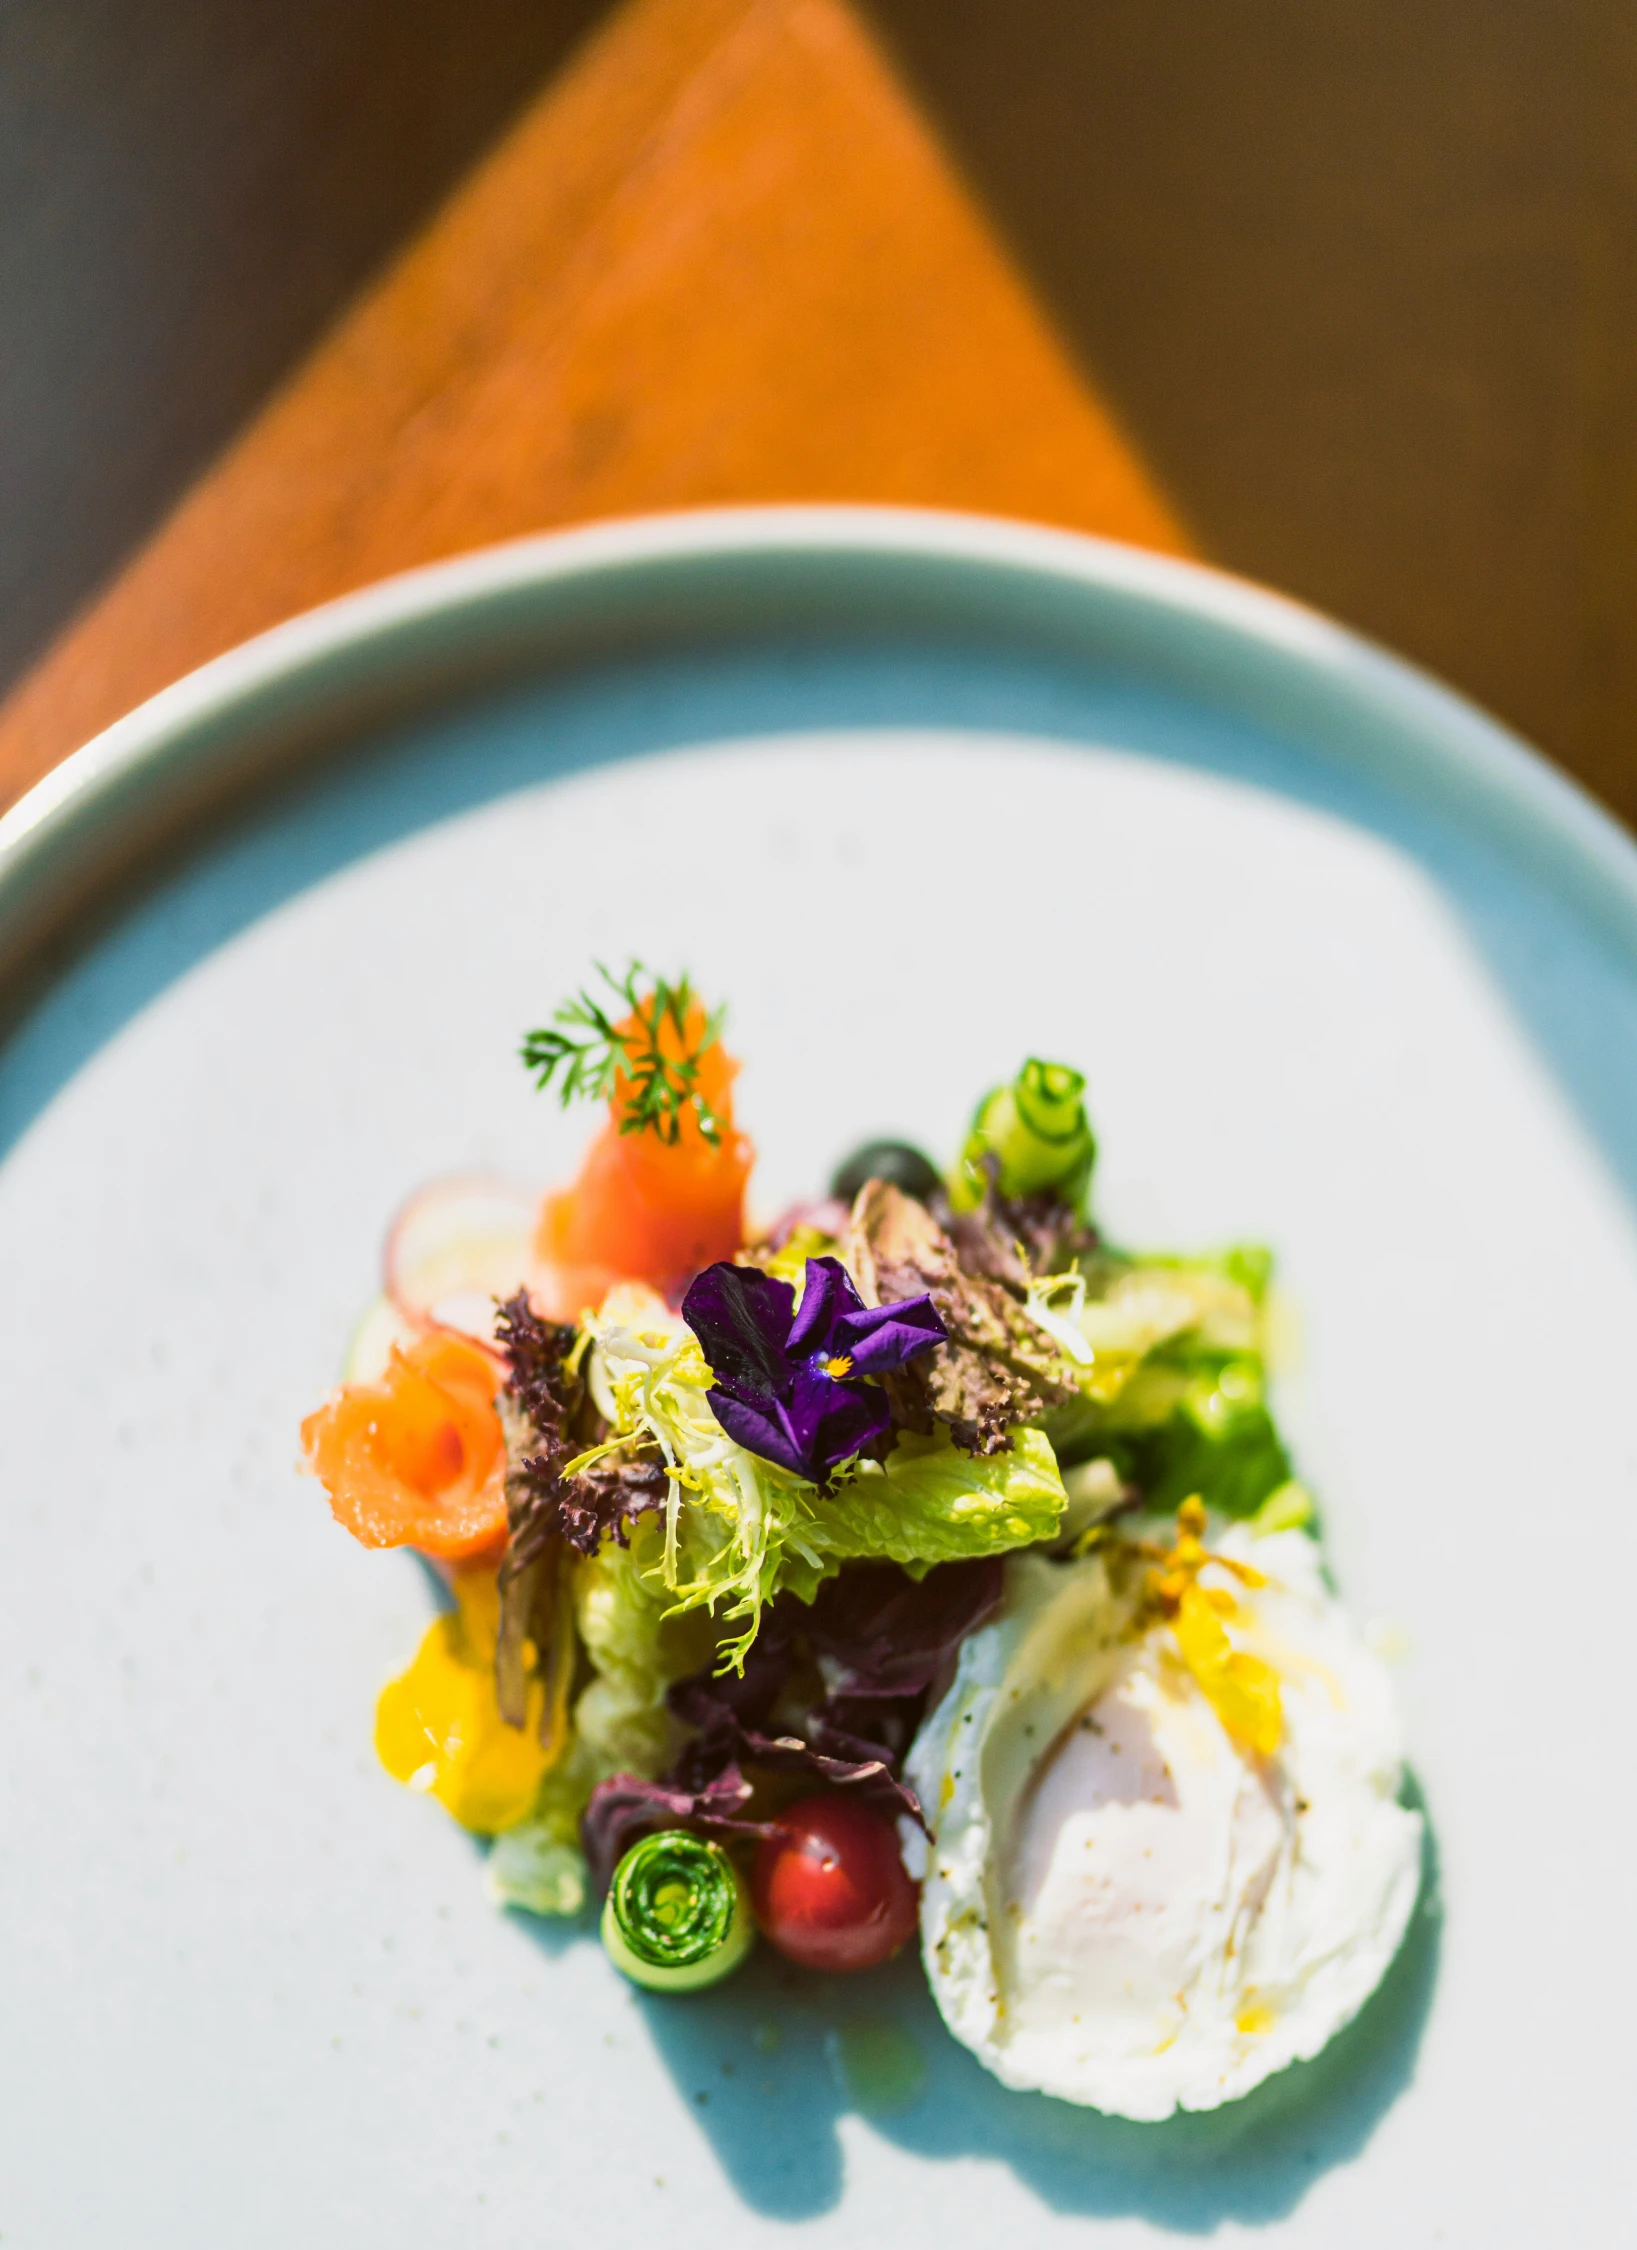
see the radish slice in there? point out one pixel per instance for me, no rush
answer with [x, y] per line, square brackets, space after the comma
[370, 1346]
[455, 1248]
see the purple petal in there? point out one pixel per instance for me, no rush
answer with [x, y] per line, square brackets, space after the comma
[879, 1337]
[763, 1426]
[827, 1294]
[833, 1420]
[742, 1317]
[822, 1422]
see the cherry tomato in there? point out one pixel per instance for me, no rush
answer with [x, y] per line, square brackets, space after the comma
[829, 1889]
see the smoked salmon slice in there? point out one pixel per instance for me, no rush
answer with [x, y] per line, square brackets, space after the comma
[646, 1207]
[418, 1459]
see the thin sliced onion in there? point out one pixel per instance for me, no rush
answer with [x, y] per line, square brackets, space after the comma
[457, 1246]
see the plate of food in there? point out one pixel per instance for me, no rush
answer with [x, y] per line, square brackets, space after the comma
[818, 1328]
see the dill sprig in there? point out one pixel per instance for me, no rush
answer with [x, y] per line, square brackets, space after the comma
[583, 1049]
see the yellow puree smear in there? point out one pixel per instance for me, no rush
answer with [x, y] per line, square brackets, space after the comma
[1240, 1688]
[439, 1728]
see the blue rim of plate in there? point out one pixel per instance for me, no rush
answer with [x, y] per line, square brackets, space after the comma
[694, 576]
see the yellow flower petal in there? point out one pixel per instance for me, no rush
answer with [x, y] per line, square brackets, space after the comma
[1241, 1689]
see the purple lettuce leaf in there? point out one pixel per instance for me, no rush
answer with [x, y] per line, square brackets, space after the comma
[551, 1419]
[1013, 1239]
[996, 1370]
[882, 1640]
[882, 1633]
[826, 1753]
[625, 1807]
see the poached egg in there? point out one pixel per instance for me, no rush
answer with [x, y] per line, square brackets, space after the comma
[1122, 1904]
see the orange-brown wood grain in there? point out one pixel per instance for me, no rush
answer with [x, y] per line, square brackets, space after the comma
[719, 259]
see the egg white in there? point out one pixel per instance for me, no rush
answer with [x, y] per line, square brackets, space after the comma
[1120, 1906]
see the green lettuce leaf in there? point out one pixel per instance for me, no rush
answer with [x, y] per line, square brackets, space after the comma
[1219, 1440]
[1174, 1391]
[638, 1644]
[539, 1865]
[931, 1503]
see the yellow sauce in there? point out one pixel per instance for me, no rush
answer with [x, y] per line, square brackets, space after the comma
[438, 1727]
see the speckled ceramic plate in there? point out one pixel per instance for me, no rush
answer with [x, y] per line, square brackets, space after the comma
[1347, 968]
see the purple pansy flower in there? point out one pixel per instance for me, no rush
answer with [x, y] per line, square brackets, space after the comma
[787, 1382]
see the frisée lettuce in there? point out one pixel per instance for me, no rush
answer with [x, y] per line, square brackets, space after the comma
[738, 1529]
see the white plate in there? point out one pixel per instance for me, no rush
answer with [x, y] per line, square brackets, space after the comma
[1346, 969]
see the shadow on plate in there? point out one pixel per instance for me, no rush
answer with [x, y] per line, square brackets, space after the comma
[776, 2058]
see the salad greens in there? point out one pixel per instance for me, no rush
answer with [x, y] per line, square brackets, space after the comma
[1172, 1377]
[1146, 1372]
[696, 1489]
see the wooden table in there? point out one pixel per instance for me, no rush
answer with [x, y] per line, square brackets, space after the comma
[662, 288]
[722, 256]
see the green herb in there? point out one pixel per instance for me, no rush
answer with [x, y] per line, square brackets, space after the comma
[584, 1049]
